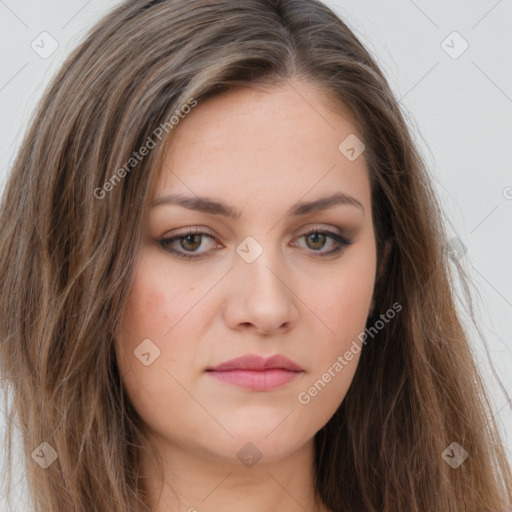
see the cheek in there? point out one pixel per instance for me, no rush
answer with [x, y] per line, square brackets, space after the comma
[319, 399]
[343, 305]
[148, 309]
[336, 358]
[343, 300]
[158, 303]
[153, 336]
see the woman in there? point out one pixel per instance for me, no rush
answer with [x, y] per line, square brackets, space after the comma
[225, 282]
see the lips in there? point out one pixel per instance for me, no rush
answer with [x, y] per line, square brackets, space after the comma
[254, 362]
[256, 373]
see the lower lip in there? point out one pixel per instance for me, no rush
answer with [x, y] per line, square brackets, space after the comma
[256, 380]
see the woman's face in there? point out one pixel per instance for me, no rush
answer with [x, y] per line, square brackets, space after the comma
[254, 283]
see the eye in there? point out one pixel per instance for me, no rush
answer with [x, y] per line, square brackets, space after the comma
[316, 238]
[189, 242]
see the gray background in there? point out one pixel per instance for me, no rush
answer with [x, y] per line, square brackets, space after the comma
[459, 105]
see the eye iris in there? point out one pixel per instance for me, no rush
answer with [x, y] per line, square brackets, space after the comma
[186, 238]
[315, 237]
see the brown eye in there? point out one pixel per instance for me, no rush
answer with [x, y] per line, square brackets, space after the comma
[190, 242]
[317, 240]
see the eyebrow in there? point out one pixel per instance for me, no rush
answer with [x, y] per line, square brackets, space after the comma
[212, 206]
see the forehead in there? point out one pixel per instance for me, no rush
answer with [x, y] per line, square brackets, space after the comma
[268, 142]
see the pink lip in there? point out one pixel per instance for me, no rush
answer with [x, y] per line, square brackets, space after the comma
[257, 373]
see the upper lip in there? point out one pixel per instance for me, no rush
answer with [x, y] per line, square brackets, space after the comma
[255, 362]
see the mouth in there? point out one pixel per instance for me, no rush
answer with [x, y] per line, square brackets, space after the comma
[257, 373]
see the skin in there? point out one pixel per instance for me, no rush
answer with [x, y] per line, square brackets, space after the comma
[260, 149]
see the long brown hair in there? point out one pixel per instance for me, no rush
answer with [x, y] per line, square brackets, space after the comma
[71, 222]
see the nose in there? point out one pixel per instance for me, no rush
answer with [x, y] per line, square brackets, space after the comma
[261, 296]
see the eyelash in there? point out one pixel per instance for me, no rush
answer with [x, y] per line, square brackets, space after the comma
[341, 240]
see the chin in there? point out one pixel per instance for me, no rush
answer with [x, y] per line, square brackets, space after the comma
[263, 444]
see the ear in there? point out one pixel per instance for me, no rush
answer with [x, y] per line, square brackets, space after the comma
[382, 266]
